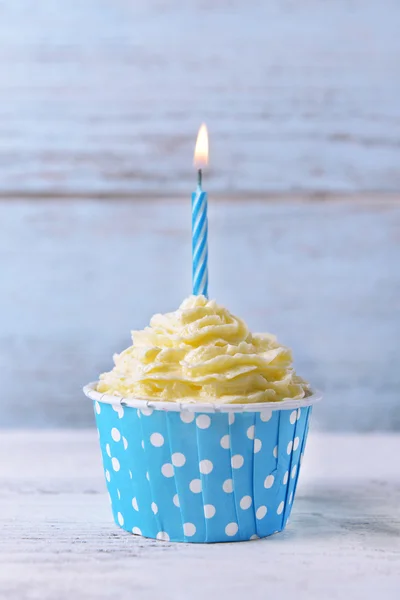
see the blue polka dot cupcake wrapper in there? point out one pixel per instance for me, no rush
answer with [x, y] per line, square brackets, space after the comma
[201, 477]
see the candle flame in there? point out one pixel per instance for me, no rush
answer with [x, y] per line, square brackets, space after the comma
[201, 149]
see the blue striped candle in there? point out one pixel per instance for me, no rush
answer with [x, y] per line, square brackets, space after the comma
[199, 241]
[199, 219]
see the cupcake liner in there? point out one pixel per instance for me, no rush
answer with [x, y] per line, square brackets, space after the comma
[190, 476]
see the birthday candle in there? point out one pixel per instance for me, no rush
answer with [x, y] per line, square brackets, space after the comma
[199, 219]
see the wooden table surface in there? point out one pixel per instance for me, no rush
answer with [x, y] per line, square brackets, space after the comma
[57, 539]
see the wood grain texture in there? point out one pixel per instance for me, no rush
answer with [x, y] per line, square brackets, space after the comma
[57, 539]
[106, 97]
[77, 277]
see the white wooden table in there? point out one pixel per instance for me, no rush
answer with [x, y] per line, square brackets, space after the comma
[57, 539]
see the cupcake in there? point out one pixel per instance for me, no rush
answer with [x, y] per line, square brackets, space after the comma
[202, 428]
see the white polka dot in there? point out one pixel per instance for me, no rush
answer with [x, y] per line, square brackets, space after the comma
[195, 486]
[136, 531]
[118, 409]
[280, 508]
[108, 450]
[231, 529]
[187, 417]
[285, 478]
[203, 421]
[227, 486]
[291, 498]
[120, 519]
[294, 470]
[226, 442]
[293, 417]
[178, 459]
[115, 434]
[125, 442]
[265, 415]
[147, 476]
[237, 461]
[209, 511]
[130, 474]
[135, 504]
[119, 495]
[275, 452]
[175, 500]
[298, 413]
[245, 502]
[231, 418]
[167, 470]
[205, 467]
[296, 443]
[138, 413]
[147, 411]
[189, 529]
[143, 444]
[261, 512]
[162, 535]
[269, 481]
[257, 445]
[154, 508]
[254, 537]
[250, 432]
[97, 407]
[157, 439]
[115, 463]
[289, 447]
[108, 476]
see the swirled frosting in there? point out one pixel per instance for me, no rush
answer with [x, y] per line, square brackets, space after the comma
[203, 353]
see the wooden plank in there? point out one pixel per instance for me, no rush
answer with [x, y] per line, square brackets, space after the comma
[57, 539]
[114, 110]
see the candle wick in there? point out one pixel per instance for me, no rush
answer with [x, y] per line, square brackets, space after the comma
[199, 177]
